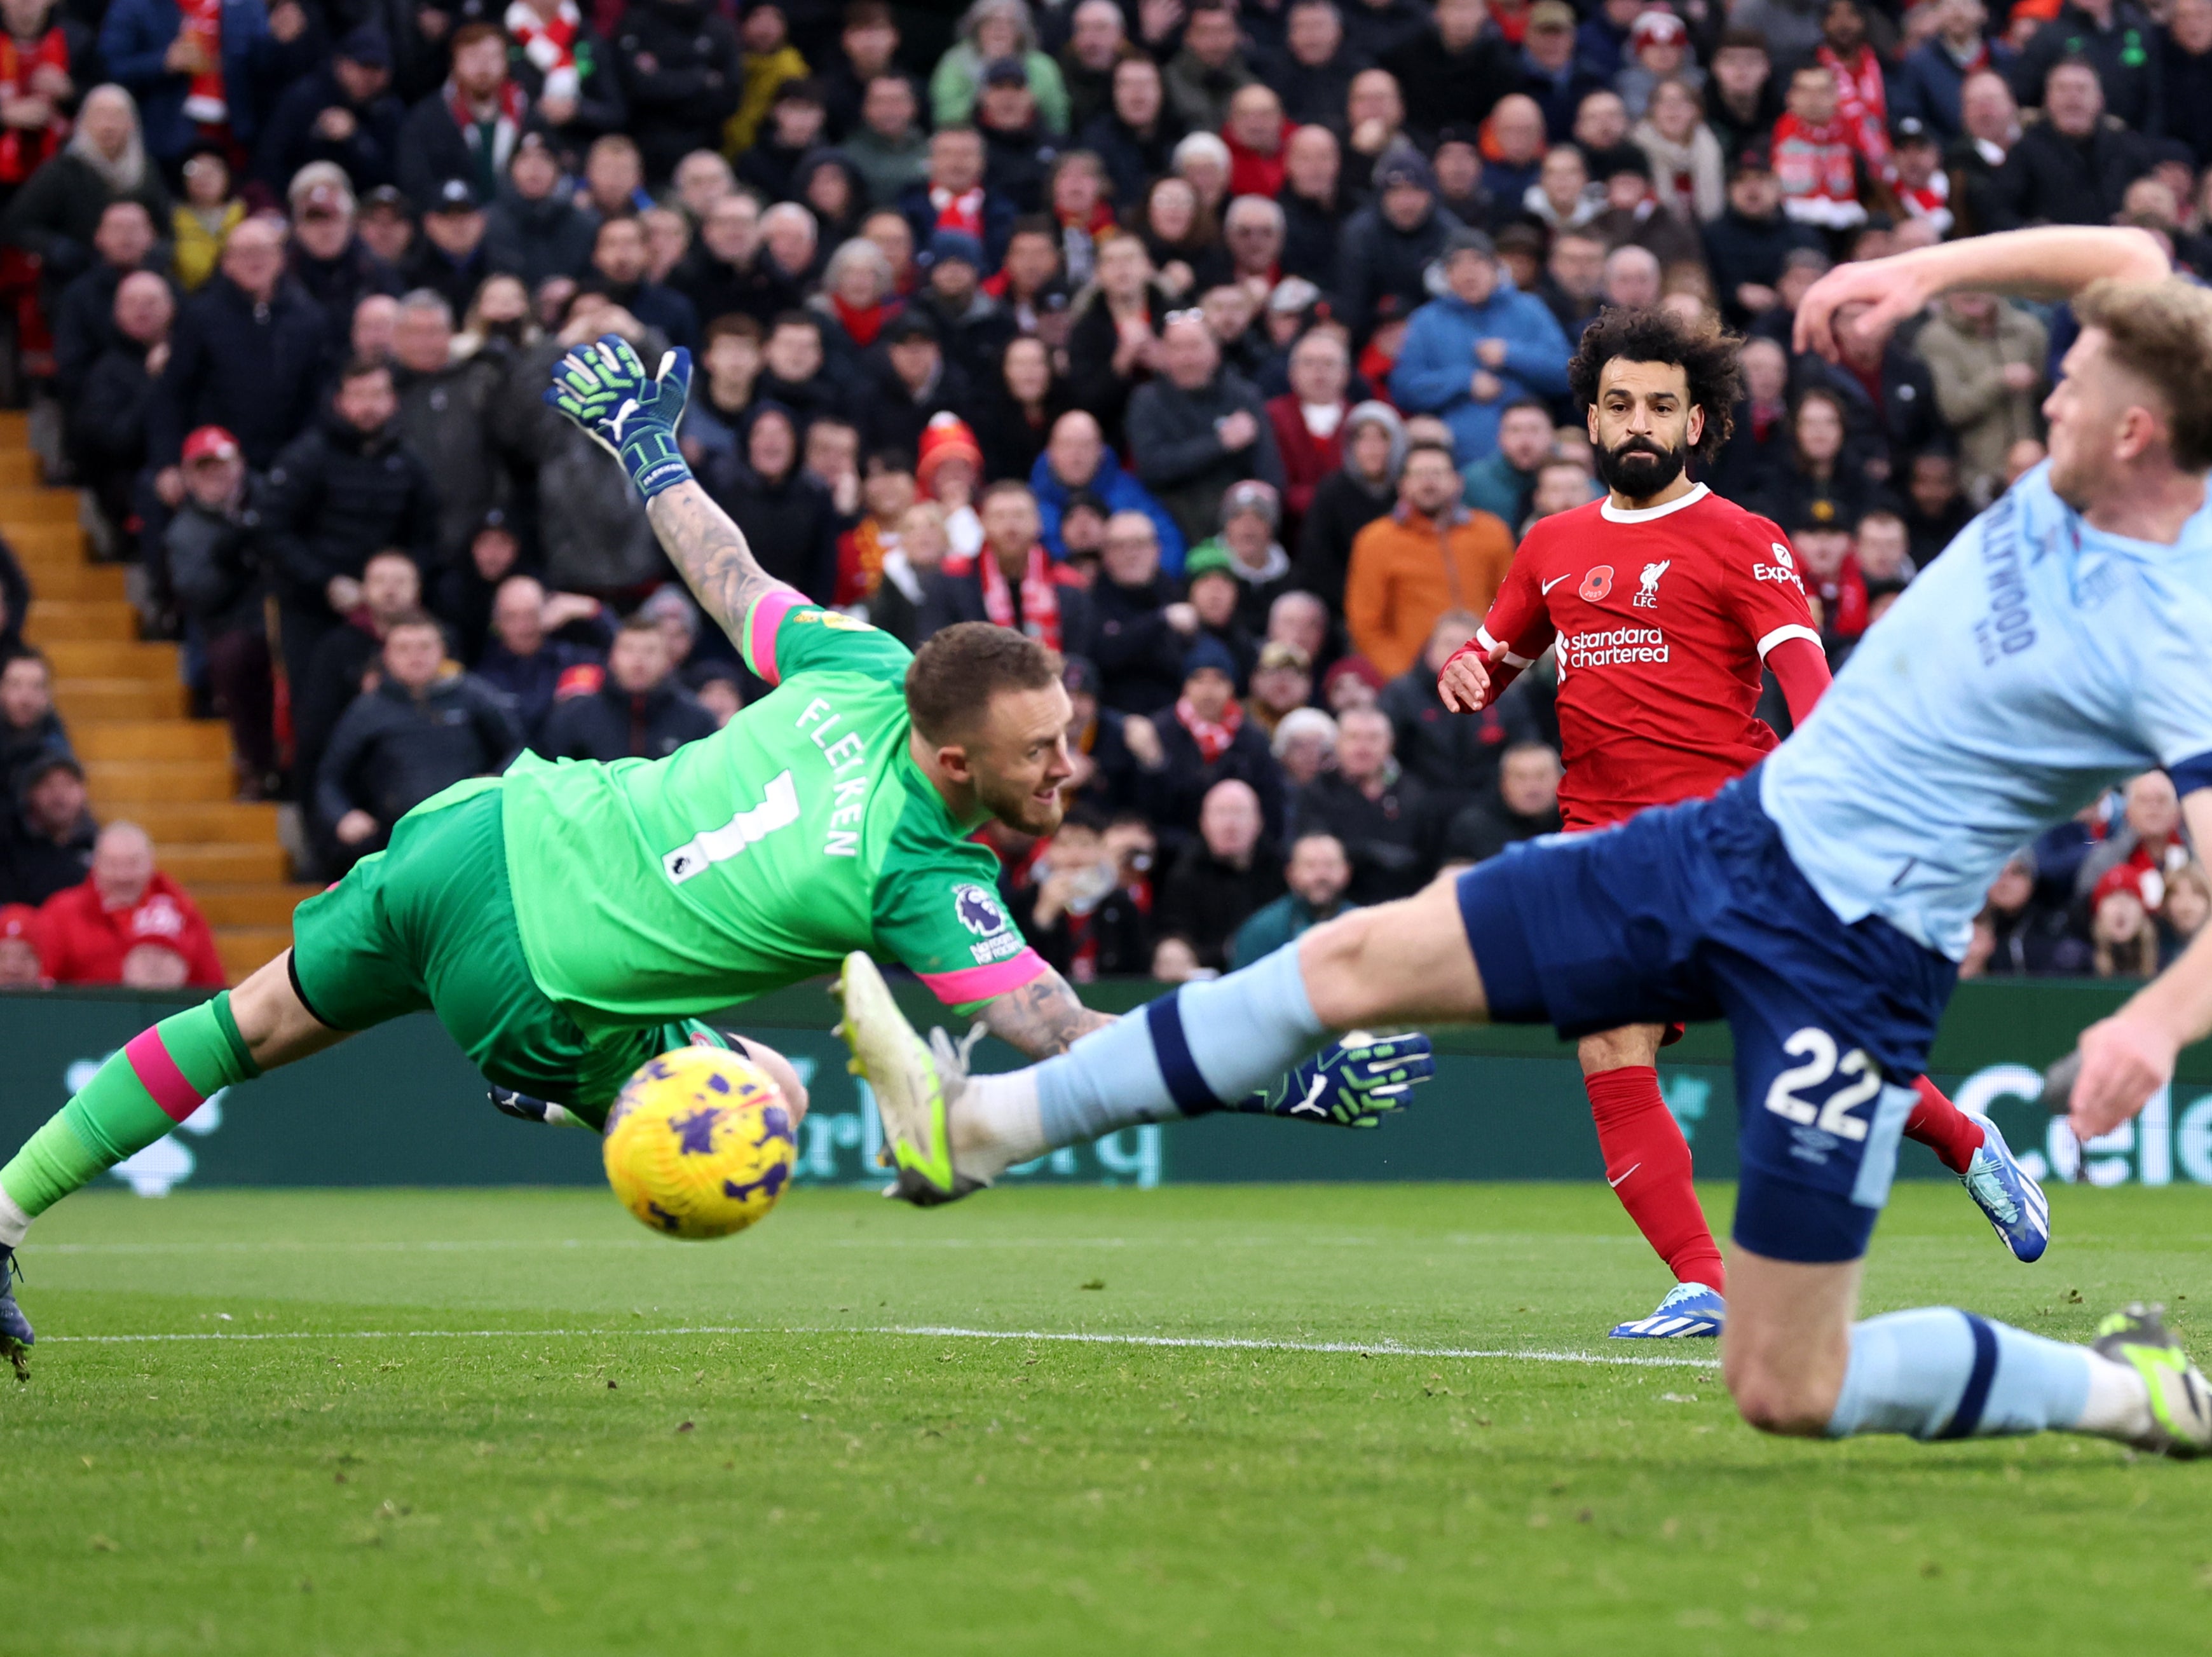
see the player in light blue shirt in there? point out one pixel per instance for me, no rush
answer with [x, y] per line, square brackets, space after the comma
[1820, 904]
[2038, 661]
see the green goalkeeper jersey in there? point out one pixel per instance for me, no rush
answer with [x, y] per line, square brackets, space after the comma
[747, 860]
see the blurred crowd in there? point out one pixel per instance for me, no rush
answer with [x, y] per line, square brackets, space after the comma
[1221, 344]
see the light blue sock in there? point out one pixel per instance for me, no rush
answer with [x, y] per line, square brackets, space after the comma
[1936, 1372]
[1184, 1053]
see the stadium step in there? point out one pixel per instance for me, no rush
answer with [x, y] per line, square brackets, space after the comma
[243, 948]
[175, 823]
[254, 905]
[85, 703]
[52, 621]
[100, 660]
[154, 739]
[124, 703]
[122, 785]
[74, 580]
[27, 504]
[222, 860]
[44, 542]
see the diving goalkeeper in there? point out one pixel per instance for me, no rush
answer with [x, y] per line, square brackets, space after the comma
[566, 922]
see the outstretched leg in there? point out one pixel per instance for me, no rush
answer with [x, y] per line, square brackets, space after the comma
[156, 1079]
[159, 1077]
[1797, 1363]
[1186, 1053]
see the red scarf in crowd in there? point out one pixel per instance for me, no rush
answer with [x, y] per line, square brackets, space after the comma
[550, 46]
[1862, 103]
[24, 149]
[1813, 164]
[202, 22]
[507, 126]
[962, 212]
[1039, 617]
[863, 323]
[1212, 736]
[1931, 202]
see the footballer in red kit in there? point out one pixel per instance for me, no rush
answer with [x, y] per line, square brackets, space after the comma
[1664, 602]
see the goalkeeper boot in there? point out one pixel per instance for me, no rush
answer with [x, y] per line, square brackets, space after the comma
[1691, 1312]
[524, 1107]
[914, 1088]
[2017, 1210]
[2180, 1401]
[17, 1338]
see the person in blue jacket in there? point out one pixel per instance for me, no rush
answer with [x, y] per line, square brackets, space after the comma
[141, 43]
[1477, 347]
[1075, 457]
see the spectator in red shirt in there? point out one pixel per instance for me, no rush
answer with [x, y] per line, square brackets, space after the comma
[19, 966]
[1255, 133]
[127, 923]
[1309, 421]
[1816, 156]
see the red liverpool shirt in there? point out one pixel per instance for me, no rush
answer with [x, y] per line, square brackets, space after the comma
[1662, 618]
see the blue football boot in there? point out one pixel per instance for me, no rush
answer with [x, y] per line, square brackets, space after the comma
[1690, 1311]
[15, 1337]
[2017, 1209]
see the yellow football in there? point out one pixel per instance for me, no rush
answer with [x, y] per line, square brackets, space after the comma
[699, 1143]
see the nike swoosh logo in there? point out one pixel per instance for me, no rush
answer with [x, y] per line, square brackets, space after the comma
[1554, 581]
[1616, 1183]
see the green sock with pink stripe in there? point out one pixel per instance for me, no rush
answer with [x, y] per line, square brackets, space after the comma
[160, 1077]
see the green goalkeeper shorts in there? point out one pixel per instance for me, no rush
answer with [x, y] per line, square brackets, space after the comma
[428, 924]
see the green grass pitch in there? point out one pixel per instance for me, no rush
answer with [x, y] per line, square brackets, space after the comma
[515, 1422]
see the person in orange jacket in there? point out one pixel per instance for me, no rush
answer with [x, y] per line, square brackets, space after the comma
[1429, 555]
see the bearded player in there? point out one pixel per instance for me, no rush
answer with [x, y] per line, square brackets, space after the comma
[1663, 601]
[566, 922]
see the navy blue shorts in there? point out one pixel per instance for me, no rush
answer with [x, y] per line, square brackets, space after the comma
[1695, 912]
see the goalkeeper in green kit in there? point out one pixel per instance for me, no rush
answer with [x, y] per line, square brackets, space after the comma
[568, 922]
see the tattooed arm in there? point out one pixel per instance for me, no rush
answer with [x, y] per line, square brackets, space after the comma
[710, 550]
[633, 416]
[1042, 1018]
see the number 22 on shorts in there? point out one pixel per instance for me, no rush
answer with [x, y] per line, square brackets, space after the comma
[1818, 1049]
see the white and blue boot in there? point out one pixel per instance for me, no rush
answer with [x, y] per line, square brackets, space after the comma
[15, 1337]
[2017, 1210]
[1691, 1312]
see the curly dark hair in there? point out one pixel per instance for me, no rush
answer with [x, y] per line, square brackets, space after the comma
[1705, 352]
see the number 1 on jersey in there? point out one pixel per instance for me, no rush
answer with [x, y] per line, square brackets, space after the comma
[779, 809]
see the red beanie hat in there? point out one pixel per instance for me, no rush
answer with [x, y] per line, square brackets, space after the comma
[945, 438]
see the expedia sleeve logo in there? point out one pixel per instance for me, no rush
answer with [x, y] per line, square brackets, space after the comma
[1782, 569]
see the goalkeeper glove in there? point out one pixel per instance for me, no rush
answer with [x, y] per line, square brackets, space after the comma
[1355, 1082]
[630, 414]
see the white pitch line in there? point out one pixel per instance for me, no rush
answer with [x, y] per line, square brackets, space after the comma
[1318, 1240]
[1380, 1349]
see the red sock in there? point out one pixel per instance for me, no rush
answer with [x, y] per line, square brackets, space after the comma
[1942, 1126]
[1647, 1162]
